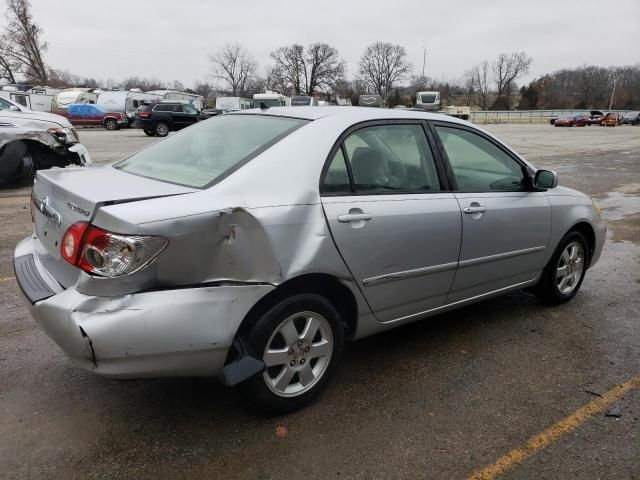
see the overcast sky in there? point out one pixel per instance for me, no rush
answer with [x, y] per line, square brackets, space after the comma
[171, 40]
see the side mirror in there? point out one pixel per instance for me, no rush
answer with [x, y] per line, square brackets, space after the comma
[545, 179]
[13, 108]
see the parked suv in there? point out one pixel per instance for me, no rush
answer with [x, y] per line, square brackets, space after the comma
[31, 141]
[160, 118]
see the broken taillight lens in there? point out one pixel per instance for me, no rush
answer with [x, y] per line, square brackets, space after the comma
[109, 254]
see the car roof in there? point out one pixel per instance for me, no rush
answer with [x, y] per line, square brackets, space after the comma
[355, 113]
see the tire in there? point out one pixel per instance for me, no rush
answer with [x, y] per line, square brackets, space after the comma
[550, 288]
[111, 124]
[161, 129]
[13, 162]
[149, 133]
[292, 359]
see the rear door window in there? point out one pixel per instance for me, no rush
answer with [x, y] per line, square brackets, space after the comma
[389, 158]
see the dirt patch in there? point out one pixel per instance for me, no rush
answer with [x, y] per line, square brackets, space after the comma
[627, 228]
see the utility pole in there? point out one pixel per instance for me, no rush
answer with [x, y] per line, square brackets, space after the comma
[424, 59]
[613, 92]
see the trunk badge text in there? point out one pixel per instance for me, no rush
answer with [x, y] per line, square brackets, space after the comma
[78, 209]
[42, 204]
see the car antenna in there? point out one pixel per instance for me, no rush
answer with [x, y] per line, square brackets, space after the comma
[264, 106]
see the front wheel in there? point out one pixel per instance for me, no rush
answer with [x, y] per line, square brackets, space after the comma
[110, 124]
[300, 341]
[563, 275]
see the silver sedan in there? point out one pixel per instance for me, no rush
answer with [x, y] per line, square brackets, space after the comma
[251, 246]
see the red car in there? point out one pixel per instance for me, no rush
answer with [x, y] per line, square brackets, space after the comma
[89, 114]
[611, 120]
[571, 121]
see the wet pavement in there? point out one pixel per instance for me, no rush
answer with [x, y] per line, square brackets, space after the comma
[436, 399]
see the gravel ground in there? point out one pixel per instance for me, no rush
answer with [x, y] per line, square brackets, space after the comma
[436, 399]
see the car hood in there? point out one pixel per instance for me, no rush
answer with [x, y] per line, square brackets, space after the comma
[38, 116]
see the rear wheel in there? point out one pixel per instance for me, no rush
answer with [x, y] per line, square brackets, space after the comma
[161, 129]
[563, 275]
[300, 340]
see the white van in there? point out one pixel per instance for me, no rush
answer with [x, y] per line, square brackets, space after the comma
[270, 99]
[428, 101]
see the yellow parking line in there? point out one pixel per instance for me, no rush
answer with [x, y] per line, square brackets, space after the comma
[551, 434]
[6, 279]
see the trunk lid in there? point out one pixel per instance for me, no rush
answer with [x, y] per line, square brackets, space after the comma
[62, 197]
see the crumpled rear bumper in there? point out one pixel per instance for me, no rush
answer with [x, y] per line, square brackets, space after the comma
[179, 332]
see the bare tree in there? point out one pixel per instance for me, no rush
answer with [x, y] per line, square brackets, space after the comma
[507, 69]
[483, 84]
[234, 66]
[381, 65]
[8, 66]
[22, 45]
[319, 67]
[289, 67]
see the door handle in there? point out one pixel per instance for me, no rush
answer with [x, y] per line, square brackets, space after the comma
[354, 217]
[474, 209]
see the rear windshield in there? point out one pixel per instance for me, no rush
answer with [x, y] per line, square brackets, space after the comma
[428, 98]
[207, 151]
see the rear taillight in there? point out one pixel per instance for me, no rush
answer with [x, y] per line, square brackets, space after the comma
[143, 114]
[109, 254]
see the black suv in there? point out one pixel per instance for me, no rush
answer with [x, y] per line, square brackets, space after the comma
[160, 118]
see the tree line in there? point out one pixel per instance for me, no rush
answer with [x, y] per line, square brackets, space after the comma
[318, 69]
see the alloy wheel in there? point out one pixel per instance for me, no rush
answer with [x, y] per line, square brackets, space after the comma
[297, 354]
[570, 268]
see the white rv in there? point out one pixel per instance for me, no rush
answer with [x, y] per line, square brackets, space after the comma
[12, 93]
[428, 101]
[191, 98]
[304, 101]
[233, 103]
[270, 99]
[68, 96]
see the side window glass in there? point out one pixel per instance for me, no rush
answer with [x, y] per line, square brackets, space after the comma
[336, 180]
[478, 165]
[177, 108]
[392, 158]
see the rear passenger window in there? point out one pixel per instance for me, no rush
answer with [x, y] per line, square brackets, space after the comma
[392, 158]
[336, 180]
[177, 108]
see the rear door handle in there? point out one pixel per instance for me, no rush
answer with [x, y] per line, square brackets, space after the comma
[474, 209]
[354, 217]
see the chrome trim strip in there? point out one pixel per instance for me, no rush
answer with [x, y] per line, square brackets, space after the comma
[418, 272]
[459, 302]
[499, 256]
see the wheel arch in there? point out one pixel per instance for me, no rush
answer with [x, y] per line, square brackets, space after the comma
[588, 232]
[322, 284]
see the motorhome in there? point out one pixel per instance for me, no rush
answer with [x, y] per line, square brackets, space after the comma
[191, 98]
[38, 99]
[304, 101]
[270, 99]
[233, 103]
[371, 101]
[428, 101]
[68, 96]
[126, 102]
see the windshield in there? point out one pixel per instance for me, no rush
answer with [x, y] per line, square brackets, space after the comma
[199, 155]
[430, 98]
[4, 104]
[269, 102]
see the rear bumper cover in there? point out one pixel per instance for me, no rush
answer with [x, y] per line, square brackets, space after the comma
[181, 332]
